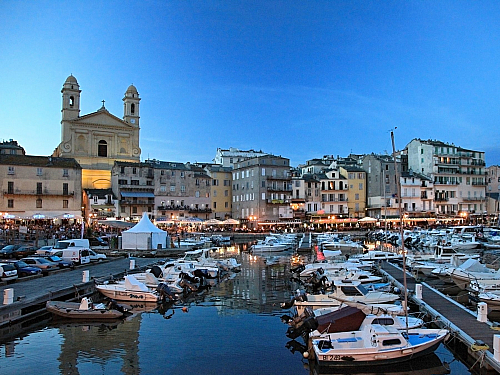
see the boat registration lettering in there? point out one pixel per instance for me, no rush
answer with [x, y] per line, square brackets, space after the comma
[331, 357]
[136, 296]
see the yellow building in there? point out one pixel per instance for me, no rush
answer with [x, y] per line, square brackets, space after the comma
[98, 139]
[221, 190]
[356, 195]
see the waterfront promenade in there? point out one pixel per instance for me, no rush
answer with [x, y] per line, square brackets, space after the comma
[30, 289]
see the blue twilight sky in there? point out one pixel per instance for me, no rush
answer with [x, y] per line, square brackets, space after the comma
[300, 79]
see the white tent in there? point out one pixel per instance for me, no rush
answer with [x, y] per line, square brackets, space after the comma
[144, 236]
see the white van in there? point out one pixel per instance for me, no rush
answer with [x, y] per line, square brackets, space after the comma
[77, 255]
[64, 244]
[74, 250]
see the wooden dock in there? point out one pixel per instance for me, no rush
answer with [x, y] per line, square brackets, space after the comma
[448, 313]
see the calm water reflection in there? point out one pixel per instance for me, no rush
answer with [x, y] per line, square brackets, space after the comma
[234, 328]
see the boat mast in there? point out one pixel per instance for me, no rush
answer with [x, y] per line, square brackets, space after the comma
[401, 231]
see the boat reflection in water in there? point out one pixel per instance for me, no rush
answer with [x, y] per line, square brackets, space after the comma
[429, 365]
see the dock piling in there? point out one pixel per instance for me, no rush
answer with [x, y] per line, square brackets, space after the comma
[8, 296]
[482, 312]
[85, 276]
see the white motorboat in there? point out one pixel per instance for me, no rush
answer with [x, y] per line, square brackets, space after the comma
[470, 270]
[375, 344]
[343, 290]
[270, 244]
[128, 290]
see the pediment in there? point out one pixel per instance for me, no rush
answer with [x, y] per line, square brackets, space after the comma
[102, 117]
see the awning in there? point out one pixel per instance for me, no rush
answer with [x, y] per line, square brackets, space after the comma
[138, 194]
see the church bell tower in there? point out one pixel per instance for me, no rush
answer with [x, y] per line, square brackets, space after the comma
[70, 99]
[131, 106]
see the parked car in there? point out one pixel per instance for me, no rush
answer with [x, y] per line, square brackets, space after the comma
[7, 272]
[44, 250]
[24, 251]
[96, 257]
[24, 269]
[60, 262]
[45, 265]
[8, 251]
[98, 241]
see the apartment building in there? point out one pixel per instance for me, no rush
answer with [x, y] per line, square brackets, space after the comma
[133, 186]
[221, 190]
[232, 156]
[459, 175]
[182, 191]
[262, 189]
[356, 194]
[381, 193]
[40, 187]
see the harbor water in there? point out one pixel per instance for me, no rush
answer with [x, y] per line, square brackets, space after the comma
[233, 328]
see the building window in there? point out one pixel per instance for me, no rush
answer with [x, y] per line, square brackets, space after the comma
[134, 170]
[134, 210]
[65, 203]
[197, 194]
[39, 171]
[10, 203]
[172, 174]
[38, 203]
[182, 175]
[10, 187]
[122, 182]
[65, 189]
[39, 188]
[11, 170]
[134, 182]
[183, 188]
[132, 109]
[102, 149]
[172, 187]
[65, 173]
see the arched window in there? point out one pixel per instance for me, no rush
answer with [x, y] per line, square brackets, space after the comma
[132, 108]
[71, 101]
[102, 149]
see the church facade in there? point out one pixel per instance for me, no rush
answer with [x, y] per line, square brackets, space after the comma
[98, 139]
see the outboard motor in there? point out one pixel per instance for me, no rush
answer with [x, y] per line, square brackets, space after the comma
[308, 325]
[300, 296]
[165, 292]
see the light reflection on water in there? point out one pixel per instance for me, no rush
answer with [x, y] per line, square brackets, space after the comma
[232, 329]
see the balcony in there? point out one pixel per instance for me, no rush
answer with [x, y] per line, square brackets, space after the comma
[440, 182]
[287, 178]
[336, 200]
[41, 193]
[479, 183]
[277, 188]
[472, 199]
[128, 202]
[277, 201]
[194, 210]
[173, 208]
[441, 199]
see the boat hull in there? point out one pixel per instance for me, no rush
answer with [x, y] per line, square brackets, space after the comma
[346, 354]
[125, 295]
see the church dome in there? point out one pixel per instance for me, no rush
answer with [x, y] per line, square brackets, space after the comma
[71, 79]
[132, 90]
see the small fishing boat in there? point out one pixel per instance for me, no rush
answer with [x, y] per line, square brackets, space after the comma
[86, 309]
[376, 344]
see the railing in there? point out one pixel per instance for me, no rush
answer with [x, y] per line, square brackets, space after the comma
[278, 201]
[202, 210]
[37, 192]
[276, 188]
[441, 199]
[139, 201]
[173, 208]
[470, 199]
[334, 200]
